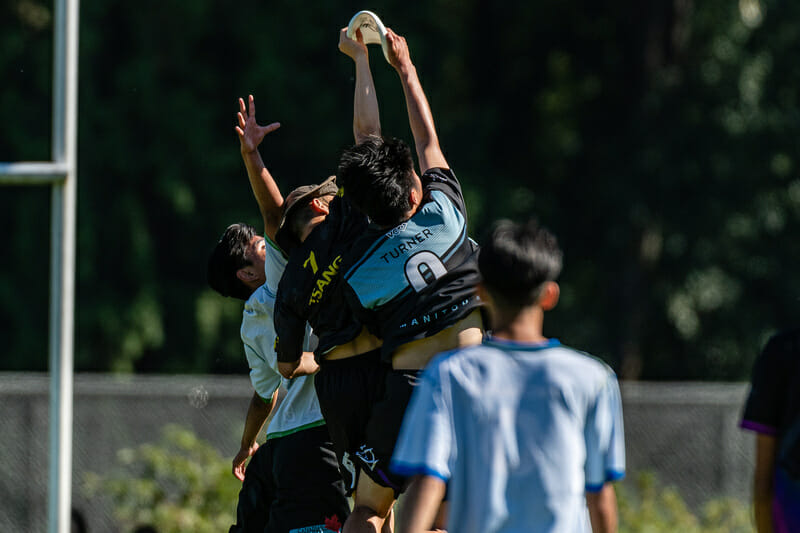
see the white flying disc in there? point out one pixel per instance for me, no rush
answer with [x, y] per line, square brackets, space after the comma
[372, 30]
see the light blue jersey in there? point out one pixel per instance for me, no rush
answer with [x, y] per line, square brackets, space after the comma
[519, 431]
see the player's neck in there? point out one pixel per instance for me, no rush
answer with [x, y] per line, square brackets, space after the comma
[524, 326]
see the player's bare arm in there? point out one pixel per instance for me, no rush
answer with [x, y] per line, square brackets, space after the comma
[420, 117]
[257, 414]
[602, 507]
[420, 505]
[764, 481]
[265, 190]
[366, 118]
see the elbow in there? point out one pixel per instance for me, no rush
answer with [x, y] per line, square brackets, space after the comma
[362, 134]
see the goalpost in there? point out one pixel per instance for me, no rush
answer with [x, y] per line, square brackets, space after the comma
[61, 175]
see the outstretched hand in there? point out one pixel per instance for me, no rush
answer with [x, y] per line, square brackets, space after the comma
[354, 48]
[250, 133]
[240, 460]
[399, 55]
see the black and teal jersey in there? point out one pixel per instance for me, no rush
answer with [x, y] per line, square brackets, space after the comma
[418, 278]
[311, 289]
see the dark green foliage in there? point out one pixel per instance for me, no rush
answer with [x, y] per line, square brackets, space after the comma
[180, 483]
[645, 505]
[658, 140]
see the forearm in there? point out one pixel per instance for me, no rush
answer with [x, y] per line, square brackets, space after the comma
[366, 116]
[257, 414]
[763, 514]
[603, 509]
[419, 113]
[764, 481]
[420, 119]
[420, 504]
[265, 190]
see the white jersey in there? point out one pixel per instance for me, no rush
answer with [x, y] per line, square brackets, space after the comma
[518, 431]
[300, 408]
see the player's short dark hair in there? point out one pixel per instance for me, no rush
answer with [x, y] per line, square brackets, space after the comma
[377, 176]
[228, 256]
[516, 260]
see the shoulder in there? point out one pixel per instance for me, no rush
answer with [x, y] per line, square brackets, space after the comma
[260, 304]
[440, 175]
[779, 359]
[440, 179]
[583, 371]
[785, 342]
[584, 358]
[463, 361]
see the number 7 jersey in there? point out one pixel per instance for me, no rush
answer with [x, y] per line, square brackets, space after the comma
[310, 289]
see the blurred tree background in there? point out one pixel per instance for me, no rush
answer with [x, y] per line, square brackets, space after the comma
[659, 140]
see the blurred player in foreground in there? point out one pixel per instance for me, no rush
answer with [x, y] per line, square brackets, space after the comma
[524, 432]
[773, 412]
[292, 481]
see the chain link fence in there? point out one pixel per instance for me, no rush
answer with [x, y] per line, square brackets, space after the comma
[685, 433]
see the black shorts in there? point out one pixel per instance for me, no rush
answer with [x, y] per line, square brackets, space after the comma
[292, 484]
[347, 390]
[383, 429]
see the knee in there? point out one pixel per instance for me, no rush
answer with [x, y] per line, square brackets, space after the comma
[366, 512]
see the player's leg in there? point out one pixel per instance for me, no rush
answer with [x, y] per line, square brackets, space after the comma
[257, 493]
[378, 487]
[372, 510]
[309, 489]
[347, 389]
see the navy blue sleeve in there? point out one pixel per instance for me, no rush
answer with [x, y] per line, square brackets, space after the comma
[763, 409]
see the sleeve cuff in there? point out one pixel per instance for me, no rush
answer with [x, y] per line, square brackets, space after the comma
[611, 476]
[758, 428]
[408, 470]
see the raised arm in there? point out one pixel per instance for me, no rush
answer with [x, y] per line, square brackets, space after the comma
[268, 196]
[366, 118]
[419, 112]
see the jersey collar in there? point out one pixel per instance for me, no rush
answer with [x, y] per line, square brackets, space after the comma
[504, 344]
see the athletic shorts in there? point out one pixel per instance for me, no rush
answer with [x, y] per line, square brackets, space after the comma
[383, 429]
[292, 484]
[347, 389]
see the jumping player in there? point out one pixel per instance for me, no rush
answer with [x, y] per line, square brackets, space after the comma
[536, 425]
[292, 481]
[352, 375]
[410, 277]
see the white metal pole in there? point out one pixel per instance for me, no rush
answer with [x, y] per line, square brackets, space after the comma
[62, 281]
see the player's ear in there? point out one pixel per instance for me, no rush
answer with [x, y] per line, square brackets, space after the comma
[415, 194]
[483, 294]
[487, 300]
[245, 275]
[549, 295]
[320, 206]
